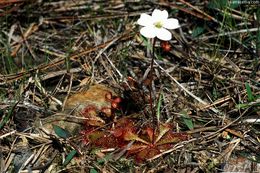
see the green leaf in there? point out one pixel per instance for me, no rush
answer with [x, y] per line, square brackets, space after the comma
[197, 31]
[105, 159]
[234, 4]
[69, 157]
[242, 106]
[62, 133]
[215, 93]
[8, 116]
[250, 95]
[92, 170]
[158, 113]
[147, 43]
[159, 57]
[187, 120]
[221, 4]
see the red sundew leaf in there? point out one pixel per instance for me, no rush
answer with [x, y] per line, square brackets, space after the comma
[90, 136]
[96, 135]
[147, 154]
[124, 122]
[163, 129]
[142, 146]
[171, 137]
[150, 132]
[118, 132]
[122, 127]
[121, 132]
[108, 142]
[130, 136]
[135, 148]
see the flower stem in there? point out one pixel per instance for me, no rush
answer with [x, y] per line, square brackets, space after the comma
[151, 89]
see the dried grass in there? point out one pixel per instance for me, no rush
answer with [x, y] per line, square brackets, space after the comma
[50, 50]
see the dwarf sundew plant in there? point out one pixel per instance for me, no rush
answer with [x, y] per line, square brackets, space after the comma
[156, 26]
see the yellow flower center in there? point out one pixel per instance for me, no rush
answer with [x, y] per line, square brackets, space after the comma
[158, 24]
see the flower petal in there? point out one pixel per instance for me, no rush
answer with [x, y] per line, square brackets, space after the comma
[163, 34]
[159, 15]
[148, 32]
[145, 20]
[171, 23]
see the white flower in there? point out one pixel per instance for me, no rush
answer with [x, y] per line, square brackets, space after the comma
[157, 25]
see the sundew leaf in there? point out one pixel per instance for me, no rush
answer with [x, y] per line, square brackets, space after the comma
[146, 154]
[69, 157]
[150, 132]
[164, 128]
[187, 120]
[60, 132]
[250, 95]
[95, 135]
[171, 138]
[130, 136]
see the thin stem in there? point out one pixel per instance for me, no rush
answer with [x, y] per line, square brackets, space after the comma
[150, 90]
[151, 81]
